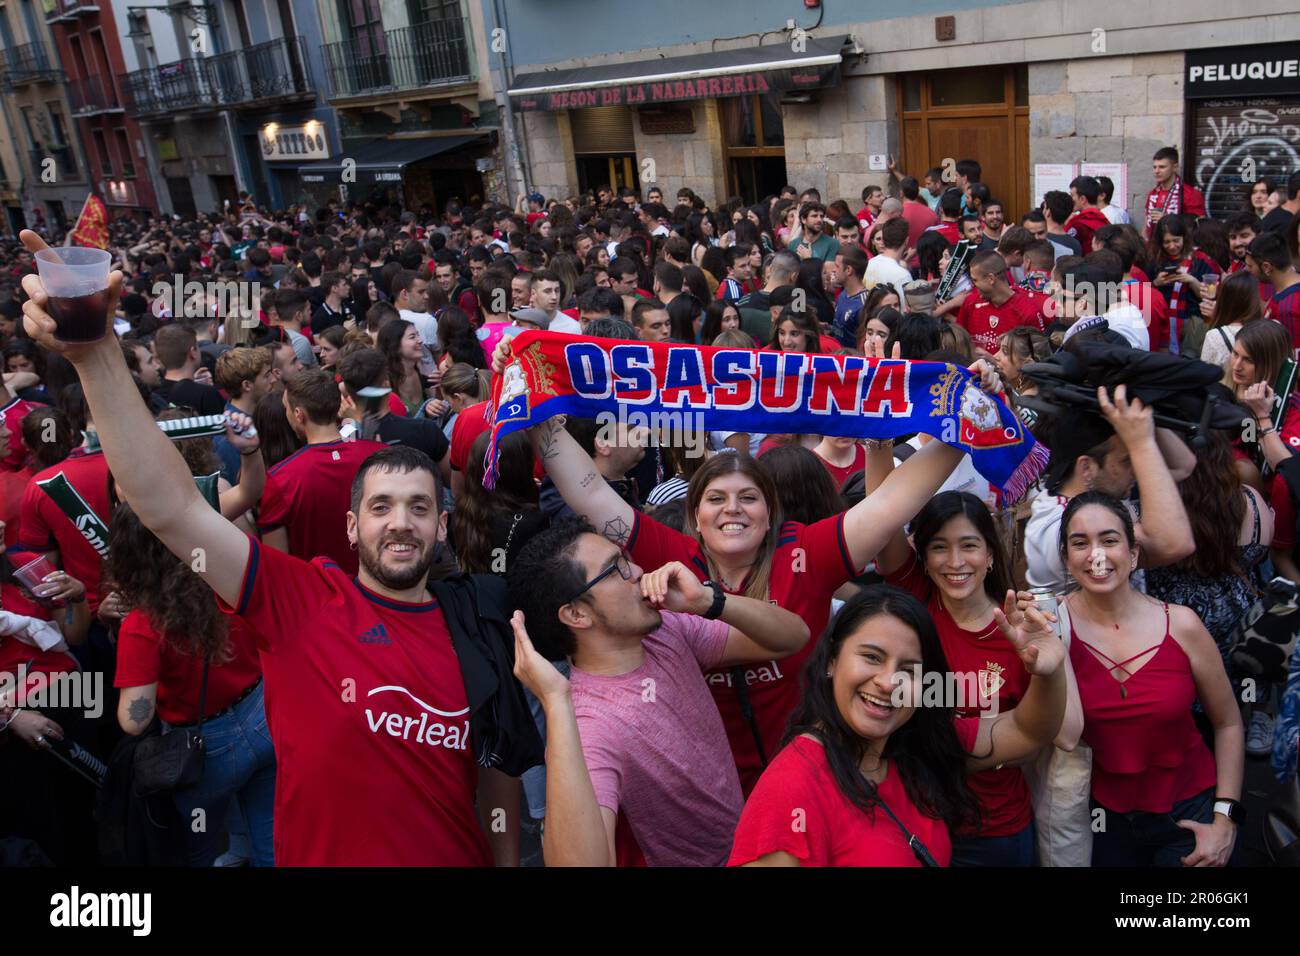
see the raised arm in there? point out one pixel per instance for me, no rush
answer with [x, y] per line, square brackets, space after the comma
[1164, 534]
[759, 631]
[877, 519]
[151, 474]
[880, 465]
[577, 831]
[1037, 719]
[578, 481]
[252, 473]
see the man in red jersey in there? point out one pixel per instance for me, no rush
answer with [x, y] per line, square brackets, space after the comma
[1087, 217]
[998, 307]
[370, 711]
[306, 495]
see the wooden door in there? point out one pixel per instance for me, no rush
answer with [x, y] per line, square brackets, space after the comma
[939, 124]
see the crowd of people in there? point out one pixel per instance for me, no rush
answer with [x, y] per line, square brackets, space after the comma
[641, 648]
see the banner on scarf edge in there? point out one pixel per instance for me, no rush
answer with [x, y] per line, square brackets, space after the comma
[552, 373]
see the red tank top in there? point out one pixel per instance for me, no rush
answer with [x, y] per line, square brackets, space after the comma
[1147, 752]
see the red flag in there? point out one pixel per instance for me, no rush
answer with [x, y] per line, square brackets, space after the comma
[92, 224]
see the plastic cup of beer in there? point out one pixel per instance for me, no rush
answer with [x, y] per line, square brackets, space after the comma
[76, 280]
[1210, 283]
[32, 575]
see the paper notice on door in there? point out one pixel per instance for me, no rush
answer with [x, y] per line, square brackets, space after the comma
[1052, 176]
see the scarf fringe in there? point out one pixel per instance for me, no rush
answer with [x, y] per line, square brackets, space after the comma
[1026, 473]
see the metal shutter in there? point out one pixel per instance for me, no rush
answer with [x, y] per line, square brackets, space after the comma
[602, 129]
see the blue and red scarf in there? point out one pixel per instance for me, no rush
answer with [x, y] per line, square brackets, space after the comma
[728, 389]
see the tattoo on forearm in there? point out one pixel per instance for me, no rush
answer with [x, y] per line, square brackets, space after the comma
[546, 445]
[618, 531]
[140, 710]
[587, 479]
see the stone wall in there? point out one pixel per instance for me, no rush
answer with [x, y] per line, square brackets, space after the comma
[694, 160]
[549, 145]
[828, 142]
[1107, 110]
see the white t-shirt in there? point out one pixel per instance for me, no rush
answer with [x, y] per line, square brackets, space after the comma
[718, 442]
[884, 269]
[564, 323]
[1126, 319]
[424, 323]
[1044, 567]
[1115, 215]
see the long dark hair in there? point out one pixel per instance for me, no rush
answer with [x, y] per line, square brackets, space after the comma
[803, 485]
[1237, 300]
[389, 343]
[360, 291]
[1213, 497]
[712, 326]
[277, 437]
[516, 492]
[456, 338]
[946, 506]
[147, 576]
[925, 751]
[682, 313]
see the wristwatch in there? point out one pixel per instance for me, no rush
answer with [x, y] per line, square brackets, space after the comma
[1232, 809]
[719, 599]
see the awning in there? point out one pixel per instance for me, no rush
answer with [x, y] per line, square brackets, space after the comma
[382, 160]
[740, 72]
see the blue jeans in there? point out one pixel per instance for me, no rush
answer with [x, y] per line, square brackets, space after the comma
[239, 764]
[1150, 839]
[1017, 849]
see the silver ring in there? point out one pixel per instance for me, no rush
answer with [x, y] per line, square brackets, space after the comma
[40, 738]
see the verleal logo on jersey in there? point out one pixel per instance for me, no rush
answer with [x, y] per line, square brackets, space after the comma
[407, 717]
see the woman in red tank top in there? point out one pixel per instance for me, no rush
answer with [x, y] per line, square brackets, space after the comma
[1140, 665]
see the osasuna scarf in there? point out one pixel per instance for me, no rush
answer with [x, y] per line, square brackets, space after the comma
[1173, 203]
[691, 387]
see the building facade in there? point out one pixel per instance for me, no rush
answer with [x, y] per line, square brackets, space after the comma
[228, 95]
[52, 179]
[739, 103]
[89, 48]
[416, 110]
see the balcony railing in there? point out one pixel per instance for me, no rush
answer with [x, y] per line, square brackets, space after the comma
[58, 10]
[65, 163]
[435, 53]
[93, 94]
[30, 63]
[271, 71]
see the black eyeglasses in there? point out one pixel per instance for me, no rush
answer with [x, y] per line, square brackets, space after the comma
[621, 565]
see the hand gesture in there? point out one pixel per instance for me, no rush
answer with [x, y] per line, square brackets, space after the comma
[203, 376]
[40, 324]
[674, 588]
[241, 433]
[1213, 841]
[436, 408]
[803, 250]
[1259, 399]
[1030, 633]
[533, 670]
[35, 729]
[501, 356]
[1133, 422]
[111, 608]
[990, 380]
[59, 587]
[1207, 308]
[890, 164]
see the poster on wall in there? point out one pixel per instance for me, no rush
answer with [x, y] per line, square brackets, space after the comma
[1052, 176]
[1237, 142]
[1117, 173]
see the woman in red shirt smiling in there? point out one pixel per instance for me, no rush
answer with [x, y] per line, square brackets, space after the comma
[960, 570]
[870, 775]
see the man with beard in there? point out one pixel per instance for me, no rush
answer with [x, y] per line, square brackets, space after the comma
[369, 711]
[306, 495]
[634, 732]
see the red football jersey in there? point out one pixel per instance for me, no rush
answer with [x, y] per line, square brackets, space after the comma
[987, 322]
[45, 527]
[14, 413]
[369, 718]
[309, 494]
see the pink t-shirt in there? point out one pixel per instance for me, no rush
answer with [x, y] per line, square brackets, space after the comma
[656, 748]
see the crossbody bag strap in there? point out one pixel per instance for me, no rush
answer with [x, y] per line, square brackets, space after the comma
[203, 694]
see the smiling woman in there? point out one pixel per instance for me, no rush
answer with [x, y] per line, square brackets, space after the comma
[869, 775]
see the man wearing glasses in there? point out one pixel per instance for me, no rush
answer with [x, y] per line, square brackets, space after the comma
[634, 732]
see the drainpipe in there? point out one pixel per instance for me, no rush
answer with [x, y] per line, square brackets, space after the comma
[514, 161]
